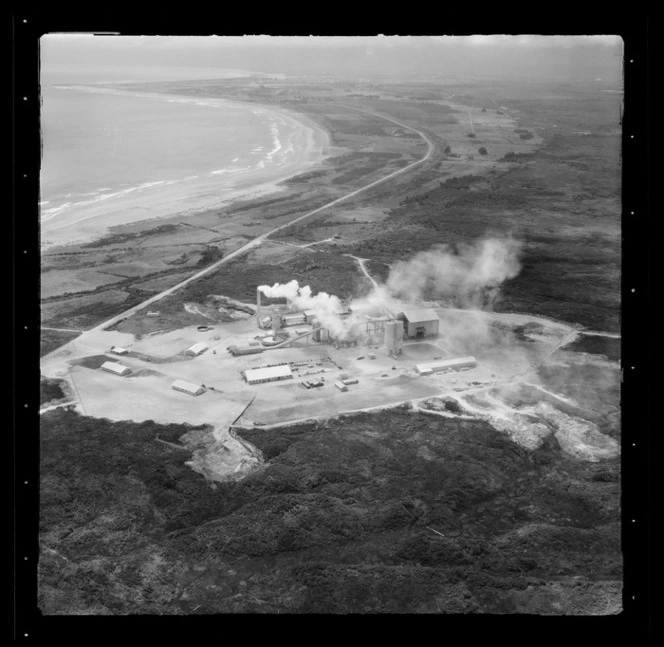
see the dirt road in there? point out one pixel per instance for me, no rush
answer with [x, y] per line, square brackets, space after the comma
[361, 262]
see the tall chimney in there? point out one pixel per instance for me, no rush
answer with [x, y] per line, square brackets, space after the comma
[258, 307]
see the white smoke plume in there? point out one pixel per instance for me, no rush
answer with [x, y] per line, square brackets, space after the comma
[468, 276]
[326, 306]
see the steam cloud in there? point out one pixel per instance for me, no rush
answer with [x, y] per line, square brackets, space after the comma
[468, 276]
[326, 306]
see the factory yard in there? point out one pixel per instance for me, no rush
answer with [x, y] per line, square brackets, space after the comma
[377, 379]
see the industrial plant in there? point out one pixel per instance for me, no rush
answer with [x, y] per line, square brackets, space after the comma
[340, 325]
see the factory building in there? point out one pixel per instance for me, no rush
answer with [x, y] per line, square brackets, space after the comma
[188, 387]
[244, 350]
[268, 374]
[118, 350]
[446, 365]
[116, 368]
[321, 335]
[196, 349]
[420, 323]
[394, 337]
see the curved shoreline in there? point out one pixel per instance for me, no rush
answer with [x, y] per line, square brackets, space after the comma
[309, 154]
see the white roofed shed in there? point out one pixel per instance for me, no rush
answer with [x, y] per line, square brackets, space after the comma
[268, 374]
[446, 364]
[116, 368]
[188, 387]
[420, 322]
[196, 349]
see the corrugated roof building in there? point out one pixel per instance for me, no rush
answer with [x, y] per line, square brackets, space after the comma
[446, 364]
[196, 349]
[422, 322]
[188, 387]
[244, 350]
[116, 368]
[268, 374]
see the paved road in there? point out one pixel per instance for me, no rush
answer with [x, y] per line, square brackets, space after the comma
[259, 239]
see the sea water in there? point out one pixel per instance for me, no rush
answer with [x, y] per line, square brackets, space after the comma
[112, 157]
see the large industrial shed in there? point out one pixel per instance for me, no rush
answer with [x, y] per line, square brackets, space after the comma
[188, 387]
[116, 368]
[268, 374]
[446, 365]
[423, 322]
[244, 350]
[196, 349]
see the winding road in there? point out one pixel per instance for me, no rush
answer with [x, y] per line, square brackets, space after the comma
[259, 239]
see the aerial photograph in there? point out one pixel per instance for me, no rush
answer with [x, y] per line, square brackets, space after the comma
[330, 325]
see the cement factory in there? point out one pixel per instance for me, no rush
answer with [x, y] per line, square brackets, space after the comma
[299, 333]
[281, 326]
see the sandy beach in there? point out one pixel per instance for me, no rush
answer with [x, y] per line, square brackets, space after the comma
[304, 145]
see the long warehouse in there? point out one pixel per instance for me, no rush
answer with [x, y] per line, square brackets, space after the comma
[268, 374]
[446, 365]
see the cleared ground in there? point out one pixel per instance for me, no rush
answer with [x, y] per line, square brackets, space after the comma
[509, 348]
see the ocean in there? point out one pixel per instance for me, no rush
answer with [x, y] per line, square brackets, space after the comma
[112, 157]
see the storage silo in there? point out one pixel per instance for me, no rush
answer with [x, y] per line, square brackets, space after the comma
[394, 337]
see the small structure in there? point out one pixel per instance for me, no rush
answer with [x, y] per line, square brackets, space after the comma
[420, 323]
[244, 350]
[118, 350]
[446, 365]
[153, 313]
[196, 349]
[116, 368]
[188, 387]
[309, 316]
[295, 319]
[321, 335]
[341, 386]
[352, 380]
[268, 374]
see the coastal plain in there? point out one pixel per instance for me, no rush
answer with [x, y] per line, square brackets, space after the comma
[326, 515]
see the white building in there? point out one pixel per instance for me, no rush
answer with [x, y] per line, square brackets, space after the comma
[268, 374]
[446, 365]
[118, 350]
[116, 368]
[188, 387]
[422, 322]
[196, 349]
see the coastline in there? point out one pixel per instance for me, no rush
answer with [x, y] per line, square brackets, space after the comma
[172, 199]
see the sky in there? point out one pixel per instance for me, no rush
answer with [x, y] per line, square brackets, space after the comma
[84, 57]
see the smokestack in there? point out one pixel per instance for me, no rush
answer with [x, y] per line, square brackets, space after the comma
[258, 307]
